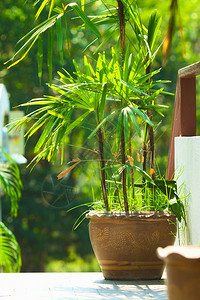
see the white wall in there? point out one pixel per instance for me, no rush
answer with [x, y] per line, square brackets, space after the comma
[4, 108]
[187, 170]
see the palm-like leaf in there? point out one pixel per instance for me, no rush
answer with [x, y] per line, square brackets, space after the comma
[87, 92]
[10, 254]
[10, 182]
[47, 26]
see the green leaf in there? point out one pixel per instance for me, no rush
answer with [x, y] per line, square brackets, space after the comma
[41, 9]
[10, 181]
[141, 114]
[133, 88]
[127, 64]
[35, 32]
[125, 123]
[102, 122]
[119, 130]
[144, 78]
[40, 56]
[50, 125]
[155, 95]
[51, 8]
[146, 133]
[106, 37]
[50, 54]
[88, 67]
[10, 254]
[23, 56]
[77, 122]
[83, 4]
[37, 125]
[153, 27]
[143, 174]
[59, 33]
[85, 18]
[35, 3]
[67, 43]
[134, 121]
[177, 207]
[102, 103]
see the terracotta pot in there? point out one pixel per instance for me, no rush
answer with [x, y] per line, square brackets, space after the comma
[125, 244]
[183, 272]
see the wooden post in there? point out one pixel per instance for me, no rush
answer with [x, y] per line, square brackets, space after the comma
[184, 119]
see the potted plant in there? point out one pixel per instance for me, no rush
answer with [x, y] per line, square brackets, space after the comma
[10, 185]
[115, 95]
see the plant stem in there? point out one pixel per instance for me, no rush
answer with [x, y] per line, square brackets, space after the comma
[151, 149]
[122, 28]
[123, 150]
[123, 158]
[144, 164]
[102, 166]
[118, 195]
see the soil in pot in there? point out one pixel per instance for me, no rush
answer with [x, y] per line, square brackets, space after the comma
[125, 244]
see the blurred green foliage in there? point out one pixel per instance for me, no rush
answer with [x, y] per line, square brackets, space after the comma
[43, 228]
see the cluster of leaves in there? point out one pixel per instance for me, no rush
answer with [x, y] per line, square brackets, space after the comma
[10, 253]
[125, 79]
[10, 181]
[10, 185]
[88, 91]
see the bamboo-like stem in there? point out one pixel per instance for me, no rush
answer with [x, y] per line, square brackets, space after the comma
[151, 148]
[122, 28]
[123, 148]
[144, 154]
[102, 166]
[123, 159]
[118, 194]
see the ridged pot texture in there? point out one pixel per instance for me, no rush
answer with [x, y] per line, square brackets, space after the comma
[125, 244]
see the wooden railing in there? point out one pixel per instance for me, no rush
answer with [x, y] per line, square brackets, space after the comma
[184, 119]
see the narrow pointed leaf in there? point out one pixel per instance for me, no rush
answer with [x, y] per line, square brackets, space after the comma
[142, 115]
[40, 56]
[35, 32]
[133, 88]
[125, 123]
[51, 8]
[85, 18]
[41, 8]
[102, 103]
[24, 55]
[59, 33]
[134, 121]
[83, 5]
[50, 54]
[153, 27]
[77, 122]
[119, 131]
[102, 122]
[143, 174]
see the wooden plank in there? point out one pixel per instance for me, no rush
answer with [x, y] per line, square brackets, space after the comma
[188, 106]
[190, 71]
[184, 119]
[174, 132]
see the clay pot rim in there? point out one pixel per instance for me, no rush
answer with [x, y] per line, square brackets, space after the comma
[129, 215]
[179, 252]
